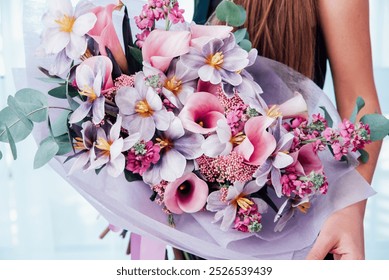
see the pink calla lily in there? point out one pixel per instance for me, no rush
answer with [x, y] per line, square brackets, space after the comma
[306, 160]
[105, 35]
[170, 45]
[201, 113]
[259, 143]
[202, 34]
[294, 107]
[187, 194]
[208, 87]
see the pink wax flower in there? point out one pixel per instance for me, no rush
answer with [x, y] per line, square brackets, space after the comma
[105, 35]
[187, 194]
[201, 113]
[142, 37]
[170, 45]
[176, 14]
[141, 156]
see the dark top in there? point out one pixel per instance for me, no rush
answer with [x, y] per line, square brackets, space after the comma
[204, 8]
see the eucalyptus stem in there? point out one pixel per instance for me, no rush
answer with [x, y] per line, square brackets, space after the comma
[60, 108]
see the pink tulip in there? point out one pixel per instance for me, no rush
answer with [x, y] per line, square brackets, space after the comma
[162, 46]
[187, 194]
[294, 107]
[92, 62]
[208, 87]
[201, 113]
[105, 35]
[202, 34]
[259, 143]
[306, 160]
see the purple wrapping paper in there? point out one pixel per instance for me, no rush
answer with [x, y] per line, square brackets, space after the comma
[127, 205]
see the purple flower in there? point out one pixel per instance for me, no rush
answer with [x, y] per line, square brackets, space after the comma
[177, 146]
[226, 204]
[108, 149]
[142, 109]
[219, 60]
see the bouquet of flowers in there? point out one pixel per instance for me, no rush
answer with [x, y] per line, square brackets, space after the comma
[191, 115]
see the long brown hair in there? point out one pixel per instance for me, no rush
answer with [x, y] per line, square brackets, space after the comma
[284, 30]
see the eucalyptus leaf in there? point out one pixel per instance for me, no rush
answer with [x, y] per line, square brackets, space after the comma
[231, 13]
[33, 103]
[14, 105]
[327, 116]
[60, 126]
[364, 156]
[18, 129]
[246, 45]
[64, 144]
[131, 177]
[58, 92]
[11, 143]
[53, 80]
[48, 148]
[360, 103]
[240, 34]
[379, 126]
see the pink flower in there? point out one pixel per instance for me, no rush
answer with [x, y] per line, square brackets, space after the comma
[142, 37]
[259, 143]
[105, 35]
[141, 156]
[306, 160]
[202, 34]
[161, 47]
[176, 14]
[294, 107]
[187, 194]
[248, 220]
[201, 113]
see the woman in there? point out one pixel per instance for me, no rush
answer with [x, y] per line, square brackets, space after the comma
[303, 34]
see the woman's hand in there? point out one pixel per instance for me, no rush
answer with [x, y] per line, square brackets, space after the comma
[342, 235]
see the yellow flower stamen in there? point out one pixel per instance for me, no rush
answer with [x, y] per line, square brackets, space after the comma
[238, 138]
[239, 71]
[304, 207]
[66, 23]
[143, 109]
[86, 55]
[174, 85]
[244, 203]
[104, 145]
[274, 112]
[201, 123]
[164, 143]
[79, 144]
[88, 92]
[215, 60]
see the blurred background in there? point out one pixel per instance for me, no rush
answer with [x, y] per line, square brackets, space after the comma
[42, 217]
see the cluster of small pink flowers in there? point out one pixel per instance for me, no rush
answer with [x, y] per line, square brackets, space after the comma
[160, 192]
[168, 105]
[229, 104]
[235, 118]
[156, 10]
[302, 186]
[141, 156]
[122, 81]
[230, 168]
[248, 220]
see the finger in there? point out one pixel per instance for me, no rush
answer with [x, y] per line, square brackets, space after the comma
[320, 249]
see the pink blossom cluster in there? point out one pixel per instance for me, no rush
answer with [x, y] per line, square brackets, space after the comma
[160, 191]
[230, 168]
[248, 220]
[349, 136]
[141, 156]
[302, 186]
[156, 10]
[122, 81]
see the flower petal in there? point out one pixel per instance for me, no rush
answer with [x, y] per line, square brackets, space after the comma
[81, 112]
[261, 174]
[214, 202]
[189, 145]
[84, 23]
[173, 165]
[294, 107]
[116, 166]
[282, 160]
[228, 217]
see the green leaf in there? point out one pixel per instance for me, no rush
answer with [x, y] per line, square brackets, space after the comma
[58, 92]
[18, 129]
[240, 34]
[327, 116]
[136, 54]
[131, 177]
[33, 103]
[11, 143]
[360, 103]
[60, 126]
[53, 80]
[246, 45]
[379, 126]
[364, 156]
[48, 148]
[64, 144]
[14, 105]
[230, 13]
[1, 155]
